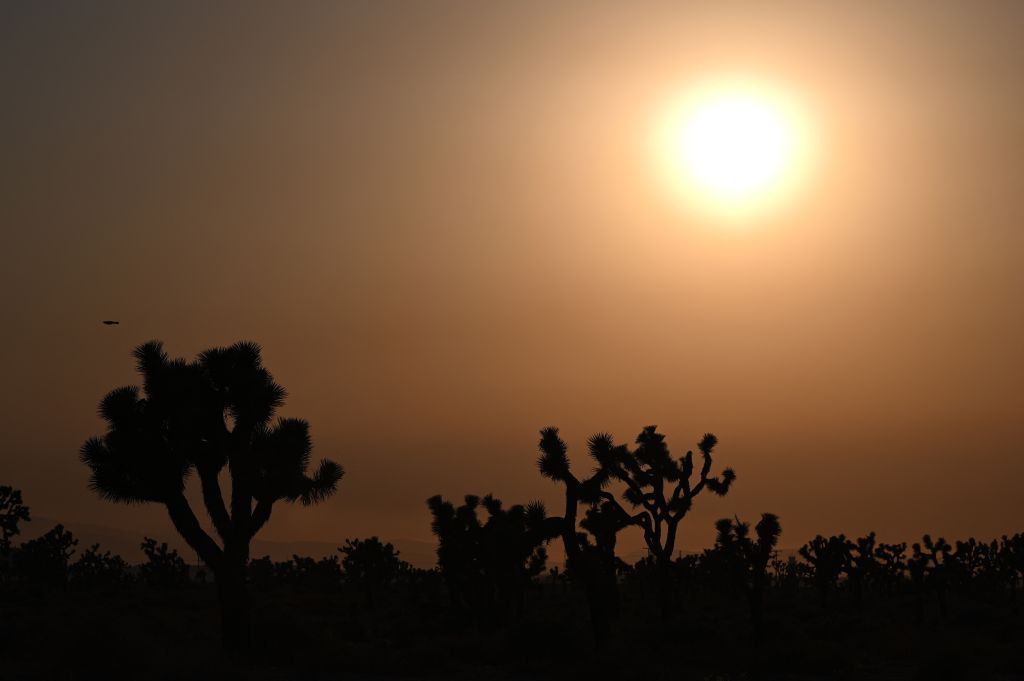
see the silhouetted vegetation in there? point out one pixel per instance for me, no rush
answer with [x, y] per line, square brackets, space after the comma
[488, 564]
[204, 416]
[827, 558]
[371, 565]
[591, 565]
[663, 489]
[95, 570]
[745, 559]
[44, 560]
[949, 607]
[163, 568]
[491, 601]
[12, 513]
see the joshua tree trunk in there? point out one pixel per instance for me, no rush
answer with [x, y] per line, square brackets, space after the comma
[667, 596]
[856, 580]
[599, 616]
[234, 605]
[585, 568]
[582, 566]
[228, 566]
[755, 598]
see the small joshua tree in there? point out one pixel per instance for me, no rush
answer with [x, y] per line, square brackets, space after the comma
[164, 568]
[861, 567]
[828, 559]
[892, 565]
[969, 563]
[930, 566]
[205, 416]
[319, 574]
[487, 565]
[663, 489]
[1011, 558]
[95, 570]
[749, 557]
[371, 565]
[12, 513]
[44, 560]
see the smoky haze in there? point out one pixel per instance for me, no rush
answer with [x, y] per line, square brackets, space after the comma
[443, 224]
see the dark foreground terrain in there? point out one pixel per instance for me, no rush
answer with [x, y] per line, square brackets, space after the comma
[136, 631]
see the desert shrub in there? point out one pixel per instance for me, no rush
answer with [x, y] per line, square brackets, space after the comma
[164, 568]
[370, 565]
[98, 570]
[44, 560]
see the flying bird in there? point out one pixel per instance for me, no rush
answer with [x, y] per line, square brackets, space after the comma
[110, 322]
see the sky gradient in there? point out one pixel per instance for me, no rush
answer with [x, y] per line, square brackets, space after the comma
[444, 223]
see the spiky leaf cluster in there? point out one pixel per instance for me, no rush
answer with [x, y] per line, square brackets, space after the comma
[202, 415]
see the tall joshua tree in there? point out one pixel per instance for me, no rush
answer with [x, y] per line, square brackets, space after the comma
[205, 416]
[748, 557]
[663, 489]
[593, 569]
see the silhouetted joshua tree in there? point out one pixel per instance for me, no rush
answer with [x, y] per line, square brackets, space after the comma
[95, 570]
[44, 560]
[929, 567]
[662, 487]
[206, 415]
[789, 574]
[749, 558]
[370, 565]
[487, 565]
[1011, 559]
[861, 565]
[976, 566]
[603, 522]
[12, 513]
[828, 559]
[892, 565]
[164, 568]
[312, 573]
[594, 567]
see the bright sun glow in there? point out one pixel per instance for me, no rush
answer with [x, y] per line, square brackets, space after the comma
[734, 150]
[735, 146]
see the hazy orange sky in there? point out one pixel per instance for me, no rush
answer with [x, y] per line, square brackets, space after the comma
[444, 224]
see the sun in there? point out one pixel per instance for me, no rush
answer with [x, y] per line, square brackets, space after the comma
[735, 146]
[737, 150]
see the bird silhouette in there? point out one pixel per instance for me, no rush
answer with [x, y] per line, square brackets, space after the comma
[110, 322]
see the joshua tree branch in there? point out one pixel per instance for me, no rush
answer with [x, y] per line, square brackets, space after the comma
[642, 519]
[188, 526]
[241, 491]
[260, 515]
[706, 468]
[214, 502]
[639, 492]
[679, 490]
[670, 535]
[654, 502]
[698, 487]
[659, 495]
